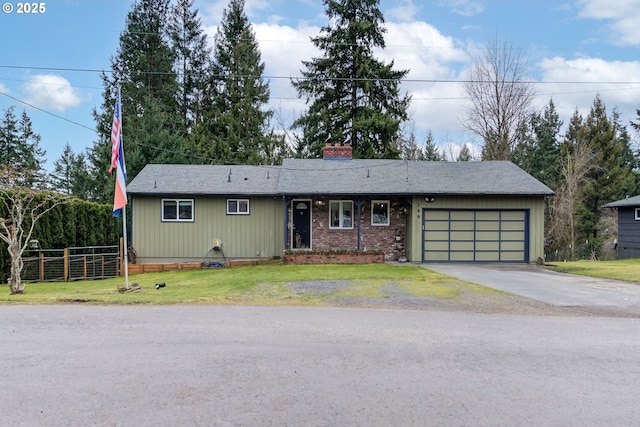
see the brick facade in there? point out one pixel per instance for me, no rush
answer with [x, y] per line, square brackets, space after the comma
[389, 238]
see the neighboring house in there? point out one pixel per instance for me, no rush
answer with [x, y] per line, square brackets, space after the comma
[628, 226]
[415, 210]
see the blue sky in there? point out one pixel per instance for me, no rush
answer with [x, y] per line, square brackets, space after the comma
[575, 49]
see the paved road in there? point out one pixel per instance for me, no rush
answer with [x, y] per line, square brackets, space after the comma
[262, 366]
[547, 286]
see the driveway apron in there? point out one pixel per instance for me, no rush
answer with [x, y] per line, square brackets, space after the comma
[541, 284]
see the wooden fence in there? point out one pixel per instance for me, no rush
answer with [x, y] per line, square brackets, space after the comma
[68, 264]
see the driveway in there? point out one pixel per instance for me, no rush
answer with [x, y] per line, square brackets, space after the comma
[550, 287]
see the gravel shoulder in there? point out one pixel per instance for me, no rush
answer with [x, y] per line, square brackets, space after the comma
[469, 299]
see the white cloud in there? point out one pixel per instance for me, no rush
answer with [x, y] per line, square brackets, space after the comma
[464, 7]
[405, 11]
[3, 88]
[623, 16]
[52, 92]
[588, 77]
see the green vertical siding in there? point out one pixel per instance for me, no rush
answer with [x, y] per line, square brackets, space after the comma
[257, 235]
[535, 206]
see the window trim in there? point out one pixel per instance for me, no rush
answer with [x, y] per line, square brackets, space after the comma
[177, 219]
[341, 208]
[238, 200]
[386, 224]
[637, 216]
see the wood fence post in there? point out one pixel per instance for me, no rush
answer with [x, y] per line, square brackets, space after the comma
[65, 261]
[41, 263]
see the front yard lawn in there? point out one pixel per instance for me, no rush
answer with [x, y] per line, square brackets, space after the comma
[626, 269]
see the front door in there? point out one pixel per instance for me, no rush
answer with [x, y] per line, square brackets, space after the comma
[301, 233]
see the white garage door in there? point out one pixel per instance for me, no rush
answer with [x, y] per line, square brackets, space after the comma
[475, 235]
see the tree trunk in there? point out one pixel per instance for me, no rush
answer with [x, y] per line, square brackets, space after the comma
[15, 282]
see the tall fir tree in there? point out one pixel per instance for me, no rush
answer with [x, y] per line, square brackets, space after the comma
[192, 61]
[61, 179]
[20, 147]
[235, 128]
[431, 149]
[538, 148]
[353, 97]
[143, 67]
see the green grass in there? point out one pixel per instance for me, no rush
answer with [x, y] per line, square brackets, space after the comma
[255, 285]
[627, 269]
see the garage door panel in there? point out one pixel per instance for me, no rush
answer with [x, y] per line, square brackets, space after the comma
[487, 215]
[463, 225]
[436, 256]
[511, 256]
[487, 235]
[493, 256]
[512, 235]
[475, 235]
[462, 246]
[436, 235]
[461, 215]
[512, 216]
[438, 246]
[488, 246]
[462, 235]
[488, 225]
[510, 225]
[437, 225]
[512, 246]
[462, 256]
[436, 215]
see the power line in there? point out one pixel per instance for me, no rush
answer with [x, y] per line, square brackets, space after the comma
[276, 77]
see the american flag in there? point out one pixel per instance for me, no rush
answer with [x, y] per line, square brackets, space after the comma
[117, 160]
[116, 134]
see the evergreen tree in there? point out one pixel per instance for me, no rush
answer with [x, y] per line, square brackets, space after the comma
[602, 141]
[192, 63]
[431, 149]
[538, 148]
[60, 179]
[235, 125]
[143, 67]
[353, 96]
[70, 175]
[20, 147]
[465, 154]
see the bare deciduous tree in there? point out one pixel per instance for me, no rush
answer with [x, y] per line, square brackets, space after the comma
[500, 98]
[23, 207]
[575, 168]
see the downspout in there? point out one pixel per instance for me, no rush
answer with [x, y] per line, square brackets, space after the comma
[359, 204]
[285, 205]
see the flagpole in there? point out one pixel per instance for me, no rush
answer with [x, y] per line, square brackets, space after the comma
[126, 247]
[124, 208]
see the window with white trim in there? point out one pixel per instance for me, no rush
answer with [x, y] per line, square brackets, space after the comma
[637, 214]
[341, 214]
[177, 210]
[237, 206]
[379, 212]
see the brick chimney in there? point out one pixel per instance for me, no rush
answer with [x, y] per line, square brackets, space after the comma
[337, 152]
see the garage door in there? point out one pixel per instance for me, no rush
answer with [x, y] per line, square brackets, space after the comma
[475, 235]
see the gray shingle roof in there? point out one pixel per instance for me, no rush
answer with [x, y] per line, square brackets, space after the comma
[628, 202]
[346, 177]
[320, 176]
[205, 179]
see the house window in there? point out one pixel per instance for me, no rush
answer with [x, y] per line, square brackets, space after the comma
[341, 214]
[380, 212]
[177, 210]
[237, 206]
[637, 214]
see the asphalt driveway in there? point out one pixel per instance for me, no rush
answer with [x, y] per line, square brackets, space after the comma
[541, 284]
